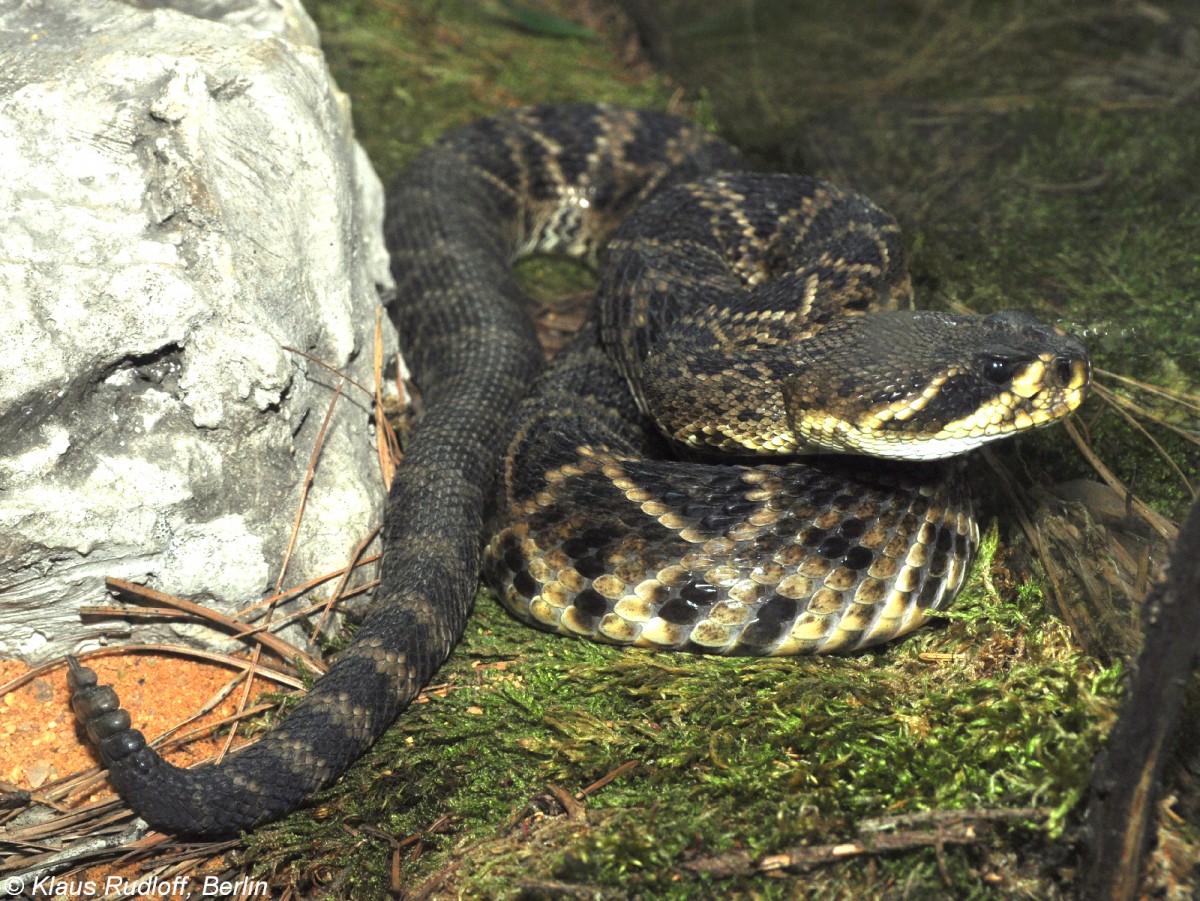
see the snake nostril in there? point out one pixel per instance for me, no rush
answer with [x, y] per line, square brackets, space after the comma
[1064, 370]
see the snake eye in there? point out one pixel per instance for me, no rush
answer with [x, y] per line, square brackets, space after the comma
[998, 370]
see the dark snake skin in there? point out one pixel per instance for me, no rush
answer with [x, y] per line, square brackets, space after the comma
[552, 179]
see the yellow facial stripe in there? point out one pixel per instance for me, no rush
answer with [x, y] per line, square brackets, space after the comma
[906, 407]
[1031, 380]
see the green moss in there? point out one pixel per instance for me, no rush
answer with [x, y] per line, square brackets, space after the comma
[415, 69]
[754, 755]
[1090, 224]
[1093, 221]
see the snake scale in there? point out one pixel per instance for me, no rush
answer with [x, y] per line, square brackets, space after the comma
[781, 303]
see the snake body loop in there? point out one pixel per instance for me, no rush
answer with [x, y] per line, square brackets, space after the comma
[783, 299]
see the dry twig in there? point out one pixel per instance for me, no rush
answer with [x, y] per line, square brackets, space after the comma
[949, 827]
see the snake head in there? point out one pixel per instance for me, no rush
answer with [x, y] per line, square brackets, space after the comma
[925, 385]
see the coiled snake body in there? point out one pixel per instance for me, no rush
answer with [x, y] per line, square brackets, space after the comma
[780, 303]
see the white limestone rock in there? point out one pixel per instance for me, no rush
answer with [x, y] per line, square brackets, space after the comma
[283, 18]
[182, 198]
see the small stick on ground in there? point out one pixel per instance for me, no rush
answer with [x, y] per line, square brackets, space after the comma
[952, 827]
[605, 779]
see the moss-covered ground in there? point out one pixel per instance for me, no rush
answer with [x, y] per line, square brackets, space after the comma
[993, 708]
[1040, 156]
